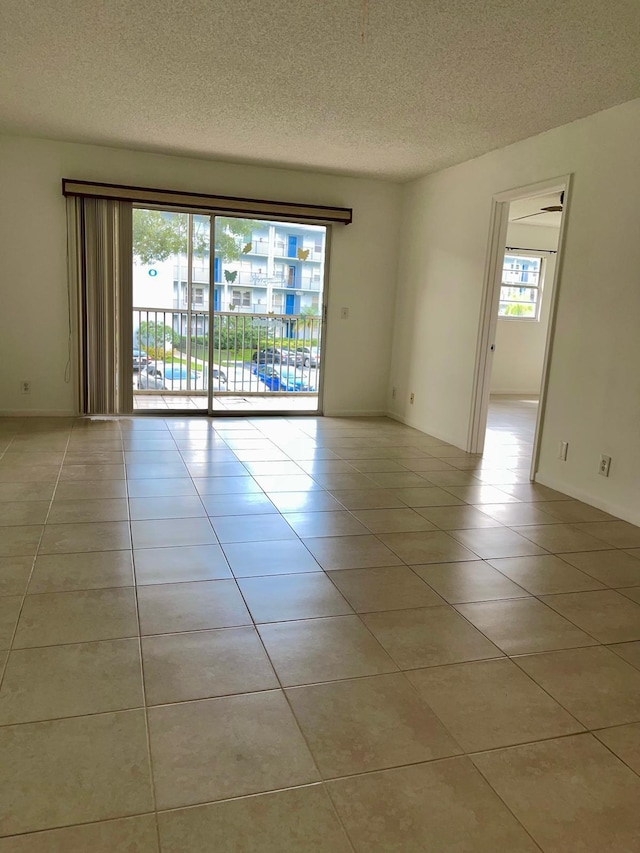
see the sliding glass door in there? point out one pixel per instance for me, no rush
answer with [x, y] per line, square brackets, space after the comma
[234, 327]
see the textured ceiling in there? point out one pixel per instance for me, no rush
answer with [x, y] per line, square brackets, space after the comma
[292, 83]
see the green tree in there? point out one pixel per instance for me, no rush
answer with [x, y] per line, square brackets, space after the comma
[158, 235]
[156, 336]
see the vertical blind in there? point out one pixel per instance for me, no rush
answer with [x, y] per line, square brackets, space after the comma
[100, 280]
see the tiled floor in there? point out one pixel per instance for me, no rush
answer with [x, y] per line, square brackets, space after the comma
[309, 634]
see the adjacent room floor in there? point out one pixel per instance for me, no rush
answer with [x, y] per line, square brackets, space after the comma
[308, 634]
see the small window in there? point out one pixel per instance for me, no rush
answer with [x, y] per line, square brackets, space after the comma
[521, 288]
[198, 295]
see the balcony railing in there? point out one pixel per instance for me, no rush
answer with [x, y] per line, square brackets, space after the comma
[252, 353]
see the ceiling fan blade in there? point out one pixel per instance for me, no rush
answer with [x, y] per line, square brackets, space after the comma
[528, 216]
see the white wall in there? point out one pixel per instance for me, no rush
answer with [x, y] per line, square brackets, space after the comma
[520, 344]
[33, 288]
[594, 391]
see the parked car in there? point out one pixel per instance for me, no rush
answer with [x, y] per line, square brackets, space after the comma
[275, 355]
[283, 378]
[140, 359]
[173, 377]
[310, 356]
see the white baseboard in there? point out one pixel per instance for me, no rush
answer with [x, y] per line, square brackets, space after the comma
[623, 512]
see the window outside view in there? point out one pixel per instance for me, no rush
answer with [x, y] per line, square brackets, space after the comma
[521, 289]
[260, 318]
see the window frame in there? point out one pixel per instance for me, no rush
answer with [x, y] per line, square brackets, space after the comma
[539, 287]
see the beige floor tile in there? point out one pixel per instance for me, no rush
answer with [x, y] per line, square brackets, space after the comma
[398, 479]
[161, 488]
[71, 771]
[523, 626]
[529, 492]
[94, 457]
[353, 480]
[513, 514]
[427, 496]
[457, 517]
[632, 592]
[619, 534]
[351, 552]
[605, 614]
[367, 498]
[256, 528]
[170, 608]
[440, 806]
[14, 575]
[254, 559]
[496, 542]
[172, 532]
[428, 636]
[228, 747]
[71, 680]
[613, 568]
[23, 513]
[328, 649]
[30, 474]
[575, 511]
[20, 541]
[185, 563]
[226, 485]
[488, 704]
[383, 588]
[368, 724]
[546, 574]
[570, 794]
[91, 472]
[187, 506]
[314, 524]
[596, 686]
[472, 581]
[624, 741]
[428, 547]
[629, 652]
[304, 502]
[92, 536]
[89, 570]
[49, 619]
[482, 494]
[131, 834]
[278, 598]
[204, 664]
[9, 611]
[291, 483]
[452, 477]
[248, 504]
[559, 538]
[259, 823]
[425, 464]
[11, 492]
[91, 490]
[65, 512]
[393, 520]
[160, 471]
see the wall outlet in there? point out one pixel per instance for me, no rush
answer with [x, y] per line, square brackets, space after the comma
[564, 449]
[605, 464]
[393, 394]
[344, 314]
[412, 397]
[25, 386]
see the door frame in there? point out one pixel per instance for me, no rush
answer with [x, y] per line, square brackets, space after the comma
[489, 310]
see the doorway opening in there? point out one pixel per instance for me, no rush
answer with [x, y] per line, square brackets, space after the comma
[517, 325]
[228, 313]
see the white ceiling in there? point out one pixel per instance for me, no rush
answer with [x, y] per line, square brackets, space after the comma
[291, 82]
